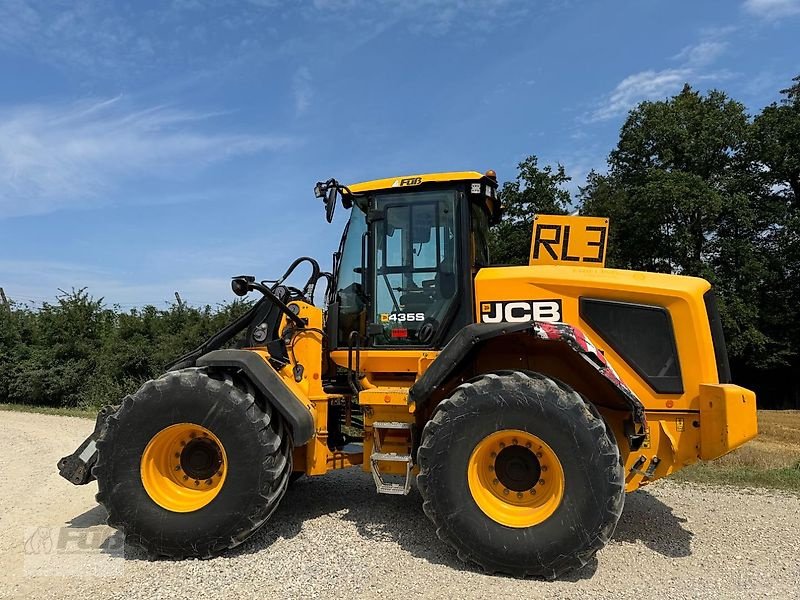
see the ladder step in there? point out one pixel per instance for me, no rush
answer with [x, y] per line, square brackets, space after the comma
[392, 488]
[391, 425]
[390, 456]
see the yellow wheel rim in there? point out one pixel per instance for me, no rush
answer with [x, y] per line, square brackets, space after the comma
[183, 467]
[515, 478]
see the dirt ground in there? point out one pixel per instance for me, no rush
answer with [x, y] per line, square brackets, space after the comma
[334, 537]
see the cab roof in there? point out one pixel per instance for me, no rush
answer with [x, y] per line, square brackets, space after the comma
[414, 180]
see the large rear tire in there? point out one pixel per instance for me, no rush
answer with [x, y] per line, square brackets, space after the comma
[520, 476]
[192, 464]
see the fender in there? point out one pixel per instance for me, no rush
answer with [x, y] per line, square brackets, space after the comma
[467, 343]
[269, 383]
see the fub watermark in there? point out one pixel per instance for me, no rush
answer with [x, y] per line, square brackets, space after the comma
[97, 551]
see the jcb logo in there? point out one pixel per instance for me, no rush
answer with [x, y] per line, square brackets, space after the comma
[521, 311]
[407, 181]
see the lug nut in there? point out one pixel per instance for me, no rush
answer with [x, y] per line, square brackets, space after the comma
[514, 441]
[544, 468]
[519, 495]
[197, 482]
[528, 445]
[185, 477]
[541, 482]
[183, 443]
[491, 468]
[539, 455]
[502, 445]
[177, 455]
[209, 482]
[177, 467]
[493, 455]
[533, 492]
[193, 435]
[505, 491]
[494, 481]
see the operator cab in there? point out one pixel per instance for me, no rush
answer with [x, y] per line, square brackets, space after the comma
[404, 269]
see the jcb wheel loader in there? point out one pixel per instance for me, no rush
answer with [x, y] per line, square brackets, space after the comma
[524, 400]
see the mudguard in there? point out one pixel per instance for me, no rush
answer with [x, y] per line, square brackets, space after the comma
[472, 336]
[269, 383]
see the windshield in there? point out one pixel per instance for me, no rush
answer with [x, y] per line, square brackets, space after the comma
[349, 290]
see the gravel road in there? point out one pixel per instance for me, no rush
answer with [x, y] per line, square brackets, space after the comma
[334, 537]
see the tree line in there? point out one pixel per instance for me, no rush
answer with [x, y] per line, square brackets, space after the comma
[76, 352]
[697, 186]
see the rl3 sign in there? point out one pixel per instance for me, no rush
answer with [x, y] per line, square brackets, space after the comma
[562, 240]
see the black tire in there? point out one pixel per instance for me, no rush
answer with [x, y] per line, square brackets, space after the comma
[259, 461]
[593, 494]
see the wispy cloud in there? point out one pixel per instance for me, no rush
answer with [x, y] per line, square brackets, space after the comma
[57, 156]
[646, 85]
[702, 54]
[772, 9]
[438, 17]
[302, 90]
[653, 84]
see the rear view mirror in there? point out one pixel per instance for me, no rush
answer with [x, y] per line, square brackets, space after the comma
[330, 203]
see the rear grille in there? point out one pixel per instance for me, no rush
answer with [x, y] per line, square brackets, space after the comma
[717, 337]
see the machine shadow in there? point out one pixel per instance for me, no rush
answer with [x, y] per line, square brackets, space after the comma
[651, 522]
[91, 518]
[351, 495]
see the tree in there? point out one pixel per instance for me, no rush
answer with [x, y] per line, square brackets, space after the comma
[775, 150]
[684, 197]
[535, 190]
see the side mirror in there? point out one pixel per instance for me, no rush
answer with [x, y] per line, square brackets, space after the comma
[330, 203]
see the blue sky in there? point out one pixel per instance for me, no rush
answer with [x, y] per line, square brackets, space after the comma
[154, 146]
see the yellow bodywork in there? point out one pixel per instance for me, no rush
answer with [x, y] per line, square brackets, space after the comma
[704, 421]
[413, 180]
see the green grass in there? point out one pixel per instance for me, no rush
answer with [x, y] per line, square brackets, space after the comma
[772, 460]
[48, 410]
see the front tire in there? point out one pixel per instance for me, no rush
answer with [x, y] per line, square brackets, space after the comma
[520, 475]
[192, 464]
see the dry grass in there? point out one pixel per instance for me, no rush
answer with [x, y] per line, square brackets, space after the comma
[770, 460]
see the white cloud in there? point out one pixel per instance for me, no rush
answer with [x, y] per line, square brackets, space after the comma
[772, 9]
[654, 84]
[53, 157]
[302, 90]
[646, 85]
[704, 53]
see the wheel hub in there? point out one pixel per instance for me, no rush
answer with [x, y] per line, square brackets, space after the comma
[517, 468]
[515, 478]
[201, 458]
[183, 467]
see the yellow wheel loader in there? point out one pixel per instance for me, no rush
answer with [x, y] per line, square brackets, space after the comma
[525, 401]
